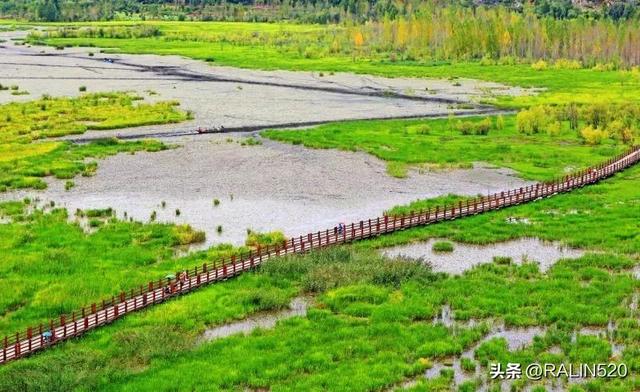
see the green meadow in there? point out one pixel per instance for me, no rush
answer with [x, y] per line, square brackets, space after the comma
[434, 144]
[370, 323]
[28, 154]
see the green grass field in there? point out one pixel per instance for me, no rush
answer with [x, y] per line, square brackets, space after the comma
[436, 143]
[359, 296]
[371, 323]
[27, 154]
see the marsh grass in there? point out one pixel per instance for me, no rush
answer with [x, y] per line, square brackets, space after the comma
[359, 323]
[600, 217]
[370, 312]
[442, 246]
[51, 266]
[397, 169]
[403, 142]
[25, 159]
[256, 239]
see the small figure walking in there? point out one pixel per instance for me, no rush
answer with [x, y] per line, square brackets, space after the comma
[183, 278]
[46, 336]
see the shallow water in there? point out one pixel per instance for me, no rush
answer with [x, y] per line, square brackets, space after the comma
[465, 256]
[516, 338]
[266, 187]
[297, 307]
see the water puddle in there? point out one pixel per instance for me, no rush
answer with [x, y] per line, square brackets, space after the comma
[633, 305]
[465, 256]
[516, 338]
[297, 307]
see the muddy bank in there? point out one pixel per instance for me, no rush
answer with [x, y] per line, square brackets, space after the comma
[297, 307]
[516, 338]
[265, 187]
[465, 256]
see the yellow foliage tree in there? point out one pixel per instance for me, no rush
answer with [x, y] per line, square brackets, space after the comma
[358, 39]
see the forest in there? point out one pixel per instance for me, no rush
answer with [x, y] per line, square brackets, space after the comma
[307, 11]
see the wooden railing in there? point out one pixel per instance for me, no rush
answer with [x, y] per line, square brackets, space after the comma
[66, 326]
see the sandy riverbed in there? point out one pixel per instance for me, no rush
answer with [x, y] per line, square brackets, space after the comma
[226, 96]
[265, 187]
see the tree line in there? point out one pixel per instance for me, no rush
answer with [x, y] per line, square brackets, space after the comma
[310, 11]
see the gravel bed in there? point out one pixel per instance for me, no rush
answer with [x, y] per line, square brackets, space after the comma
[265, 187]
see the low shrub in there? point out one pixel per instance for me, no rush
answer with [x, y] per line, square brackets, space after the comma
[593, 136]
[533, 120]
[502, 260]
[539, 65]
[474, 127]
[255, 239]
[186, 235]
[442, 246]
[567, 64]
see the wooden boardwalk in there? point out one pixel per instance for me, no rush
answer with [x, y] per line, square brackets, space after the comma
[67, 326]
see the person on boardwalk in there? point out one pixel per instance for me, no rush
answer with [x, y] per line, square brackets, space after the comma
[46, 336]
[183, 278]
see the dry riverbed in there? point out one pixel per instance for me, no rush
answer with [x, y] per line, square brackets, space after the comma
[262, 187]
[270, 186]
[226, 96]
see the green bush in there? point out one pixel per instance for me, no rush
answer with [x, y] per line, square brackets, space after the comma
[531, 121]
[468, 364]
[502, 260]
[442, 246]
[593, 136]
